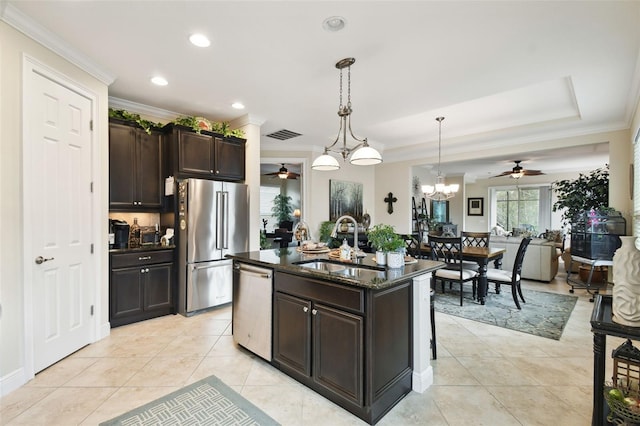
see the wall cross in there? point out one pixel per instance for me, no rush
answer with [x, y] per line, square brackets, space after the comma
[390, 200]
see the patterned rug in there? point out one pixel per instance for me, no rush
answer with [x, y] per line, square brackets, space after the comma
[207, 402]
[544, 314]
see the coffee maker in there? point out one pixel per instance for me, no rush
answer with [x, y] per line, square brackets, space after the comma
[121, 233]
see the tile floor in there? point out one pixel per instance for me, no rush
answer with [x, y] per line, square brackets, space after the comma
[484, 375]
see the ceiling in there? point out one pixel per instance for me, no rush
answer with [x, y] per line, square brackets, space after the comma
[507, 76]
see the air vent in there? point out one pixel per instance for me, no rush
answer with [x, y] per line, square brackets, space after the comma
[283, 134]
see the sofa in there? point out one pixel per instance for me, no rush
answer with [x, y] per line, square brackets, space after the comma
[540, 261]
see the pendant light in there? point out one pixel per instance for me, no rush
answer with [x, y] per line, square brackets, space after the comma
[361, 154]
[440, 191]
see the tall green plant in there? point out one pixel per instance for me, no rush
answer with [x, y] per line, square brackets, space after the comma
[282, 208]
[587, 192]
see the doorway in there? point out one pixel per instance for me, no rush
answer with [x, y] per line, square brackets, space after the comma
[59, 265]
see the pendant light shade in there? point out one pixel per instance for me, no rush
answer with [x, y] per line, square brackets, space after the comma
[361, 154]
[325, 163]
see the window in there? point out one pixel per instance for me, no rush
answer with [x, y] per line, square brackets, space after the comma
[527, 208]
[267, 194]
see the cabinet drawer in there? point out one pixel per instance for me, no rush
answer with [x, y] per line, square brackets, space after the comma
[321, 291]
[123, 260]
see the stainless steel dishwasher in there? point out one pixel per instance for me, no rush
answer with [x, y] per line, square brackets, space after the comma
[252, 308]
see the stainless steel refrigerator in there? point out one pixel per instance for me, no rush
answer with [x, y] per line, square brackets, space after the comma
[212, 220]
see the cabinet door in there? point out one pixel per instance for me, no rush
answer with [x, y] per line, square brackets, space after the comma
[149, 179]
[338, 351]
[195, 154]
[229, 159]
[122, 166]
[157, 287]
[125, 293]
[292, 333]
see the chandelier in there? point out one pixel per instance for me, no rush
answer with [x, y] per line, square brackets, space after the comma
[361, 154]
[440, 191]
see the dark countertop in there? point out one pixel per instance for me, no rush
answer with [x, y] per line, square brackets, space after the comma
[368, 275]
[143, 248]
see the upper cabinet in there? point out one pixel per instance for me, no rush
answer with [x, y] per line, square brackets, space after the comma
[205, 155]
[134, 168]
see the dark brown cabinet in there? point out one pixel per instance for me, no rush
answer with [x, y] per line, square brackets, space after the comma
[134, 168]
[319, 334]
[140, 286]
[205, 155]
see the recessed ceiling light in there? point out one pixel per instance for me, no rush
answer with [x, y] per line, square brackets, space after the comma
[237, 105]
[199, 40]
[334, 23]
[159, 81]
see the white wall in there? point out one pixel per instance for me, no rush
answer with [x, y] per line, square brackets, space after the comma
[13, 45]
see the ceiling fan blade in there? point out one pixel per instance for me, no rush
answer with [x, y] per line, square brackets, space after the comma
[528, 172]
[503, 174]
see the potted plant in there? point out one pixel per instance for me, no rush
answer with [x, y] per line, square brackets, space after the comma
[325, 231]
[587, 192]
[282, 208]
[385, 240]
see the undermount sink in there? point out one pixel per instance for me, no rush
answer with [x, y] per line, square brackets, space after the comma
[322, 266]
[348, 270]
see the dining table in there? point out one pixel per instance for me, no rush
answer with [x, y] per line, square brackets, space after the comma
[482, 256]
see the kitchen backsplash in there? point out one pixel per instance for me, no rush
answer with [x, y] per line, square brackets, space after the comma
[144, 219]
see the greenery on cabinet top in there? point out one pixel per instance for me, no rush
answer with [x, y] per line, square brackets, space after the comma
[197, 124]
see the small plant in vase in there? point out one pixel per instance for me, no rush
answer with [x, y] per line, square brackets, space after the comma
[385, 240]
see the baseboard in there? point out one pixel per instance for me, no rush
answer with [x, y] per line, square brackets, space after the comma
[12, 381]
[105, 330]
[422, 380]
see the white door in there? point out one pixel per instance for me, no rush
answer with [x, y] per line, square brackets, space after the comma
[57, 178]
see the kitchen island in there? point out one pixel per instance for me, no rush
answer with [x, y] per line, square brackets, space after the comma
[355, 332]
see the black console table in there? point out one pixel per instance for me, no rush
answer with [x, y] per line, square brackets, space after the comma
[602, 326]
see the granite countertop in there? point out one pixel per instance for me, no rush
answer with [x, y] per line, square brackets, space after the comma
[143, 248]
[368, 274]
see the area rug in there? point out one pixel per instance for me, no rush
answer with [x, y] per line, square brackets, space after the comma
[544, 314]
[207, 402]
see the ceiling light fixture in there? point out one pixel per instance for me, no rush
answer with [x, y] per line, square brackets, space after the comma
[283, 173]
[159, 81]
[199, 40]
[237, 105]
[334, 23]
[440, 191]
[361, 154]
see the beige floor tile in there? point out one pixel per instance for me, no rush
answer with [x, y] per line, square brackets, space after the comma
[415, 409]
[550, 409]
[20, 400]
[496, 371]
[233, 370]
[64, 406]
[471, 405]
[126, 399]
[189, 345]
[283, 403]
[166, 371]
[60, 373]
[449, 371]
[109, 372]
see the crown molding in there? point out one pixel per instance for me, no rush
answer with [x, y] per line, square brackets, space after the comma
[247, 119]
[131, 106]
[29, 27]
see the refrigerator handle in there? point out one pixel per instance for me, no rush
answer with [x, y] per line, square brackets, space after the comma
[225, 220]
[218, 221]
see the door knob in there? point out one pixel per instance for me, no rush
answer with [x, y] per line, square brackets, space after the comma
[41, 260]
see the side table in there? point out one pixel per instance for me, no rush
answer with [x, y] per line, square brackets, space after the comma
[602, 326]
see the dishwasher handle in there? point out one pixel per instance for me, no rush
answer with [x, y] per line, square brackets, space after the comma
[253, 272]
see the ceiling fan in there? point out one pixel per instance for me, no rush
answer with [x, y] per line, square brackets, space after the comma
[283, 173]
[517, 172]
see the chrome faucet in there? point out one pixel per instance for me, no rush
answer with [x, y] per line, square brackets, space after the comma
[334, 233]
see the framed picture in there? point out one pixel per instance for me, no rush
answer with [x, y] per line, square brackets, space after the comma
[440, 211]
[475, 206]
[345, 198]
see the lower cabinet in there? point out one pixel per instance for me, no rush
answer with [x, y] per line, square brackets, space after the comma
[350, 344]
[140, 286]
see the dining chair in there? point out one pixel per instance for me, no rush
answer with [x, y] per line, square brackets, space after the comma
[449, 251]
[432, 314]
[474, 239]
[512, 278]
[412, 244]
